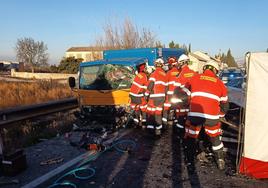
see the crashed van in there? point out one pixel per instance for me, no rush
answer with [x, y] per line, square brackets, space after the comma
[103, 86]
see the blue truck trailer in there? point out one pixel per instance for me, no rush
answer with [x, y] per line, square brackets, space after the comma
[149, 53]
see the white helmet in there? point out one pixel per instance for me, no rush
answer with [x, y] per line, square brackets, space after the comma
[149, 69]
[211, 63]
[159, 62]
[183, 58]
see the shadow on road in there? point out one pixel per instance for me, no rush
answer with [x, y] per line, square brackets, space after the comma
[115, 169]
[132, 172]
[177, 158]
[179, 163]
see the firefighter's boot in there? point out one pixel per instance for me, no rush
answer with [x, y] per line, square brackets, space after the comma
[190, 150]
[165, 119]
[219, 156]
[143, 125]
[157, 132]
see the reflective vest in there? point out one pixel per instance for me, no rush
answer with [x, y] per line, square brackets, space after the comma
[138, 88]
[207, 92]
[172, 75]
[181, 83]
[157, 84]
[185, 75]
[156, 90]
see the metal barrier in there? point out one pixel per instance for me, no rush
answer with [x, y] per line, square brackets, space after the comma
[12, 115]
[15, 114]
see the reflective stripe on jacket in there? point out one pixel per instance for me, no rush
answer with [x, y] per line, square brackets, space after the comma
[185, 75]
[171, 79]
[207, 92]
[138, 88]
[157, 84]
[181, 83]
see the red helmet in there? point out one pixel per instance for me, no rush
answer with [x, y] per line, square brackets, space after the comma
[141, 67]
[172, 61]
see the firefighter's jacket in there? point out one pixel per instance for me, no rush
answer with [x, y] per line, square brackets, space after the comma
[185, 75]
[207, 93]
[181, 91]
[138, 89]
[172, 75]
[156, 90]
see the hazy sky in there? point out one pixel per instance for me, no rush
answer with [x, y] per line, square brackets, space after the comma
[209, 25]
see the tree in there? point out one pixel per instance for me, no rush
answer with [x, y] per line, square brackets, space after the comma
[267, 50]
[184, 46]
[228, 59]
[190, 48]
[172, 44]
[69, 65]
[126, 35]
[158, 44]
[177, 46]
[33, 53]
[53, 69]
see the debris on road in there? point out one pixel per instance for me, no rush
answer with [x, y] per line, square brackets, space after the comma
[4, 181]
[52, 161]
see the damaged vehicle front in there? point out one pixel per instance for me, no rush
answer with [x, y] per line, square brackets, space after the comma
[103, 89]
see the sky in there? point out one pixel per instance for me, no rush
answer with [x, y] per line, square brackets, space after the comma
[211, 26]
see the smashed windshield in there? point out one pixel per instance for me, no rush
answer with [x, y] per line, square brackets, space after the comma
[106, 77]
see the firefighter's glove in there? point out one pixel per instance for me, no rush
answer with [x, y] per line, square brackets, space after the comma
[146, 98]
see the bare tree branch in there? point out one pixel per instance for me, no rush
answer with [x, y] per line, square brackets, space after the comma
[126, 35]
[31, 52]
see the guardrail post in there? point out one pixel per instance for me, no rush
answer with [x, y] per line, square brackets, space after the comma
[1, 143]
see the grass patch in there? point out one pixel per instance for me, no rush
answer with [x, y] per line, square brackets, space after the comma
[24, 93]
[27, 133]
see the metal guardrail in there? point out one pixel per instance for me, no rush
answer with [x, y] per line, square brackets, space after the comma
[231, 125]
[12, 115]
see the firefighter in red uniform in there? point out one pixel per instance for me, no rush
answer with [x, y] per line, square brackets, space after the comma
[180, 83]
[168, 114]
[208, 102]
[138, 102]
[155, 94]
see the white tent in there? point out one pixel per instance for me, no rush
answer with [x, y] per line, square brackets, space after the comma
[254, 161]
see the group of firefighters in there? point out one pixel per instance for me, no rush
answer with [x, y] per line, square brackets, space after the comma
[192, 102]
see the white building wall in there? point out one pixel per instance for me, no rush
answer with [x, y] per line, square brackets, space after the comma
[87, 56]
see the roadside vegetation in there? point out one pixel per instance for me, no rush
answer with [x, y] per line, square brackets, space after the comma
[26, 133]
[24, 93]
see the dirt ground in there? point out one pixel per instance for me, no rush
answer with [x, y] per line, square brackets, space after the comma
[159, 163]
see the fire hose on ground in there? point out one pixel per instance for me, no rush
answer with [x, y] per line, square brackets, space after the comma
[83, 167]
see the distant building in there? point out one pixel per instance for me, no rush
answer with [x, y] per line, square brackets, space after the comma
[86, 53]
[198, 59]
[8, 65]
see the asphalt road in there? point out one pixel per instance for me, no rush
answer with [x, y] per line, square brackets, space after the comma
[159, 163]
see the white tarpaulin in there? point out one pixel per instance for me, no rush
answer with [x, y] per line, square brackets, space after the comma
[254, 161]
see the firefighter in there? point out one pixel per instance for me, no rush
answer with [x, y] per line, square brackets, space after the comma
[208, 103]
[155, 94]
[168, 114]
[180, 84]
[137, 90]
